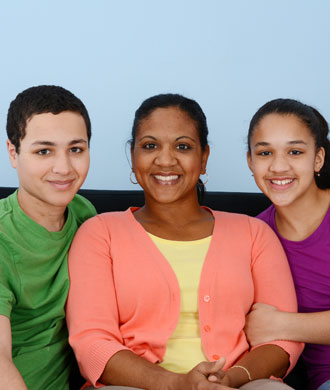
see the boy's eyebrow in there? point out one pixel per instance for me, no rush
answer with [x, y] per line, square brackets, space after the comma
[49, 143]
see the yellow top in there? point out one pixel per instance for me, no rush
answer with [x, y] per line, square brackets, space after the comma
[184, 348]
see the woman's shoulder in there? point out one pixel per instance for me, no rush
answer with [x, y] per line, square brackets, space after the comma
[242, 224]
[108, 220]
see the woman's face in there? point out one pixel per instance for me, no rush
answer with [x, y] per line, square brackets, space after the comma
[283, 158]
[167, 157]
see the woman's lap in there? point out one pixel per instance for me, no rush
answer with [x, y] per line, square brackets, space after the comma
[113, 388]
[261, 384]
[265, 384]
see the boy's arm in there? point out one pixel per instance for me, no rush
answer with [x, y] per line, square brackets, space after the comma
[10, 377]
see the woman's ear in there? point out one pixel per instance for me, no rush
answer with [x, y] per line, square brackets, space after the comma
[205, 157]
[12, 153]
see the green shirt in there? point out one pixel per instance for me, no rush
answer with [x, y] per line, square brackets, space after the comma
[34, 283]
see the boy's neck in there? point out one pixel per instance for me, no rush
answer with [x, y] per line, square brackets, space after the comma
[50, 217]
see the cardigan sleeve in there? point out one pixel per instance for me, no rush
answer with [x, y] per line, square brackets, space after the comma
[92, 312]
[273, 283]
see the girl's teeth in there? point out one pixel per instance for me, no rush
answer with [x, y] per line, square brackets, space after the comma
[282, 182]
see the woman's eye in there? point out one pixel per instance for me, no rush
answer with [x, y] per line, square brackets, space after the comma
[149, 146]
[43, 152]
[295, 152]
[183, 147]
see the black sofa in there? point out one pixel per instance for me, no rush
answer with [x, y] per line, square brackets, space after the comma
[236, 202]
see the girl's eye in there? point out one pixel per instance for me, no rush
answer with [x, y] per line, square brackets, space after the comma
[183, 147]
[149, 146]
[264, 153]
[295, 152]
[43, 152]
[76, 150]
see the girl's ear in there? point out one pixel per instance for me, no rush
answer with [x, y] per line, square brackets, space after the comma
[249, 161]
[319, 159]
[12, 153]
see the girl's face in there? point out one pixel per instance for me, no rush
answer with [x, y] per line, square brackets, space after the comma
[167, 157]
[283, 158]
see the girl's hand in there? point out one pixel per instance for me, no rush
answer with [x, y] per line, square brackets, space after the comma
[263, 324]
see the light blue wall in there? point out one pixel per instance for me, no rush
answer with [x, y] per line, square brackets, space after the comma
[231, 56]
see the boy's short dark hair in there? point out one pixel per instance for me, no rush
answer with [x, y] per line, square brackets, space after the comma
[38, 100]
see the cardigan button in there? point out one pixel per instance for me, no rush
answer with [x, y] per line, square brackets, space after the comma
[207, 298]
[215, 357]
[207, 328]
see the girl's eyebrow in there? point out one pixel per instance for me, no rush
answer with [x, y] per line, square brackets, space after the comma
[293, 142]
[298, 141]
[261, 143]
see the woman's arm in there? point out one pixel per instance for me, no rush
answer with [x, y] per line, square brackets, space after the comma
[262, 362]
[266, 323]
[127, 369]
[273, 282]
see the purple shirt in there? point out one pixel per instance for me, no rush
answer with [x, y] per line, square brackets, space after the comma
[310, 266]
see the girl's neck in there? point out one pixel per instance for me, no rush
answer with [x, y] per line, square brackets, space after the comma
[300, 219]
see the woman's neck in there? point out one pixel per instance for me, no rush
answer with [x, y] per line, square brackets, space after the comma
[186, 221]
[300, 219]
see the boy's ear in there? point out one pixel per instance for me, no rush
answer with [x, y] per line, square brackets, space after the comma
[12, 153]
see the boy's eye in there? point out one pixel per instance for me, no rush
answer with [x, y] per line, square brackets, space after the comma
[150, 145]
[183, 147]
[43, 152]
[76, 150]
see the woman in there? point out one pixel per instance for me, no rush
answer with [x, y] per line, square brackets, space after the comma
[159, 294]
[289, 157]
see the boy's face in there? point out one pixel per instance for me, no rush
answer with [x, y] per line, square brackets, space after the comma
[53, 159]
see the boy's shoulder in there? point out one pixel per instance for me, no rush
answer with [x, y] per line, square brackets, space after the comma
[81, 208]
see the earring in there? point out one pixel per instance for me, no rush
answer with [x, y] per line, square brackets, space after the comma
[207, 178]
[131, 178]
[317, 174]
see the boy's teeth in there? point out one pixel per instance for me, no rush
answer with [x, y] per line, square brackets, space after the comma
[166, 178]
[282, 182]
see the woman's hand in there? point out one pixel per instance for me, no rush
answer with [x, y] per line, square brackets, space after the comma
[263, 324]
[205, 376]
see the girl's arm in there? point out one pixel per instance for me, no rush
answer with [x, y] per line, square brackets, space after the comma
[266, 323]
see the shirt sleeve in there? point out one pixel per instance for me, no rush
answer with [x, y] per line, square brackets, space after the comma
[9, 282]
[92, 312]
[272, 278]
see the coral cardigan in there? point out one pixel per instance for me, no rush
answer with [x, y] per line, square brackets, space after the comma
[124, 294]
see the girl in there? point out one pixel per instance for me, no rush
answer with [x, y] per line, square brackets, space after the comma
[289, 156]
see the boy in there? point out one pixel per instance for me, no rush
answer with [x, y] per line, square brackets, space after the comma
[48, 144]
